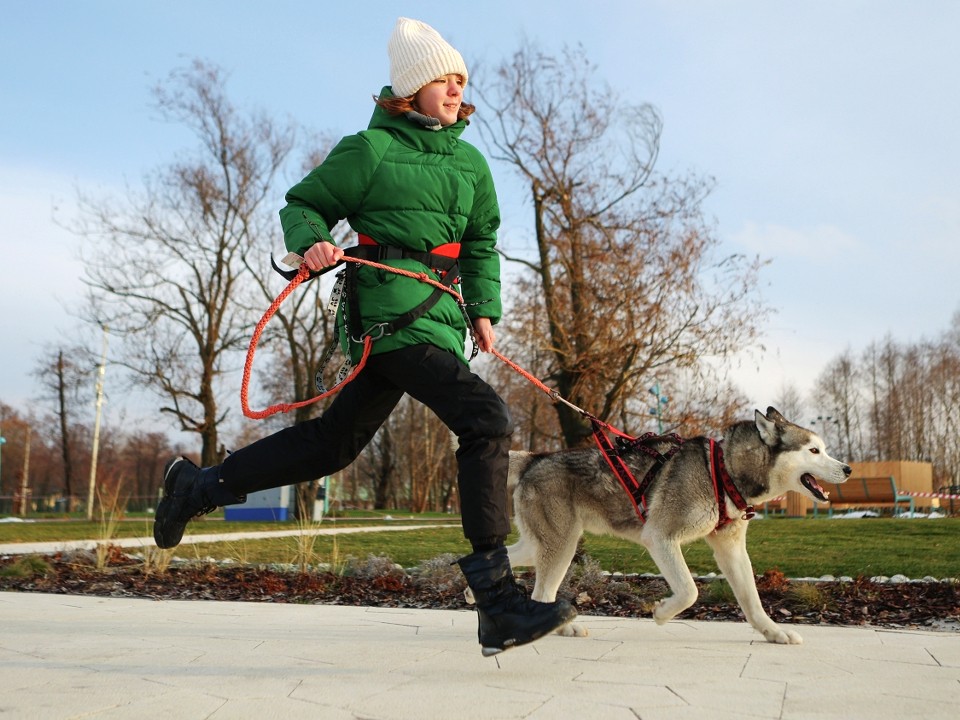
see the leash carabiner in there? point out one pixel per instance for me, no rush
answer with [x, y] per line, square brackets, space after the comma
[381, 327]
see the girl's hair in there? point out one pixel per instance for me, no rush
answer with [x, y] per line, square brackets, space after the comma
[403, 105]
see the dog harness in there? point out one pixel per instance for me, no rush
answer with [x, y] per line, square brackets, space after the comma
[723, 485]
[636, 491]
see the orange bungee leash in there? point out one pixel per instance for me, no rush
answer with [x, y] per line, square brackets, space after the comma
[611, 450]
[303, 274]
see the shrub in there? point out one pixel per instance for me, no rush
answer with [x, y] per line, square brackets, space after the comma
[440, 574]
[587, 582]
[375, 566]
[26, 567]
[807, 597]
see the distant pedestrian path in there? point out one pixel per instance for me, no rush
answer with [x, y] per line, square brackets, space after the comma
[44, 548]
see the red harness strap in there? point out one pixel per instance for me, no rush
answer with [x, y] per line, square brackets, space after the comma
[618, 466]
[723, 486]
[636, 491]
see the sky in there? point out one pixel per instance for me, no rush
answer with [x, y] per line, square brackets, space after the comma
[829, 127]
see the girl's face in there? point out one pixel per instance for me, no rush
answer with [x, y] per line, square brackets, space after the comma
[441, 98]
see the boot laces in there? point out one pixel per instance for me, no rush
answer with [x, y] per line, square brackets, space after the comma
[515, 595]
[205, 510]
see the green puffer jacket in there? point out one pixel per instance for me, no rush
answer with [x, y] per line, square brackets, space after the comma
[407, 186]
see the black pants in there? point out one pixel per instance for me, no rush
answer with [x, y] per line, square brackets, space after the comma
[463, 401]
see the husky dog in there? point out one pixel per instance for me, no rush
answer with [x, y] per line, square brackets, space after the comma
[557, 496]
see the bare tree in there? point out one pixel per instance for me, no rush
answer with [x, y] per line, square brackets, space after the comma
[790, 403]
[621, 281]
[951, 401]
[142, 455]
[899, 401]
[887, 420]
[943, 422]
[918, 400]
[427, 458]
[838, 398]
[383, 469]
[17, 430]
[164, 269]
[62, 375]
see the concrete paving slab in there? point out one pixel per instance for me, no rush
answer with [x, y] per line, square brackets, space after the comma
[70, 657]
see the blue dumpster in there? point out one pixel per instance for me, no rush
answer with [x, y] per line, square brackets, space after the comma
[273, 504]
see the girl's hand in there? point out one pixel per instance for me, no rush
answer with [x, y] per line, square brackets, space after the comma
[322, 255]
[483, 331]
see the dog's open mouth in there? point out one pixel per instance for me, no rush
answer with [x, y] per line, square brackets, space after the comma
[811, 484]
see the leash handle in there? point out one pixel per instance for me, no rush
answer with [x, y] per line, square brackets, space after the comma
[303, 274]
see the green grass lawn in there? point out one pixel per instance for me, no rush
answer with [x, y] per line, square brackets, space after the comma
[798, 548]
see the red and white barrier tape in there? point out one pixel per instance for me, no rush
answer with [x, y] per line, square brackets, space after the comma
[901, 492]
[930, 495]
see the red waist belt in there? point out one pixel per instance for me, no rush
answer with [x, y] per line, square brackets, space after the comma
[448, 250]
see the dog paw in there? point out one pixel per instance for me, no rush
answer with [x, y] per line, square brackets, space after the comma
[662, 614]
[572, 630]
[468, 596]
[783, 636]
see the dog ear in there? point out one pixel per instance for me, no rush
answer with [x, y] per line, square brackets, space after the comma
[774, 414]
[767, 427]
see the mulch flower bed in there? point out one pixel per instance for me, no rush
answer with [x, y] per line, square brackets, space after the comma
[931, 605]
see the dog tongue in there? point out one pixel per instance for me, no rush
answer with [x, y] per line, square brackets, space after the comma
[811, 483]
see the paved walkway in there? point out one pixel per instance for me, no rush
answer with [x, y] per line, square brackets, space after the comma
[65, 657]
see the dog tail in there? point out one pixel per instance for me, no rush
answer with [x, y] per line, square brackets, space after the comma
[519, 462]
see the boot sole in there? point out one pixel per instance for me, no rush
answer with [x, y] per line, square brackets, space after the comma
[512, 643]
[168, 488]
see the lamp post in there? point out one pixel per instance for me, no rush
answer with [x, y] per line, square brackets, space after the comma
[96, 427]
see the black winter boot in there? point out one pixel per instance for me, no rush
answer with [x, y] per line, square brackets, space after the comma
[188, 492]
[508, 618]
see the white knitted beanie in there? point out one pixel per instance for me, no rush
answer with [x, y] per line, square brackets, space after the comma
[419, 55]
